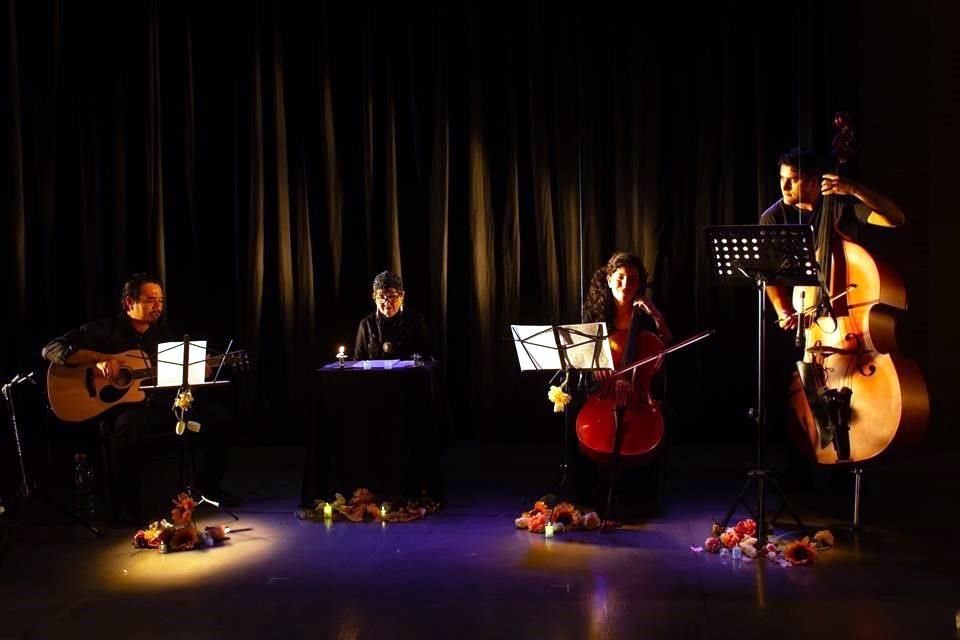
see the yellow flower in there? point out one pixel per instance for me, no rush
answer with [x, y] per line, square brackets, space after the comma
[184, 400]
[824, 538]
[559, 398]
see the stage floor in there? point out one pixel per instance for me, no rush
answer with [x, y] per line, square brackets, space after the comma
[466, 572]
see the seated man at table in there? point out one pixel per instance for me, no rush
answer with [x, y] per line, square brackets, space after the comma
[390, 332]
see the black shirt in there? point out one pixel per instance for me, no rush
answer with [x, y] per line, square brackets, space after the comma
[111, 335]
[406, 333]
[852, 212]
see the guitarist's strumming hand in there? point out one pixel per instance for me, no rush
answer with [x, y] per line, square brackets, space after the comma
[108, 368]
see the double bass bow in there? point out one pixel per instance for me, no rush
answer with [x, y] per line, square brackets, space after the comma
[856, 399]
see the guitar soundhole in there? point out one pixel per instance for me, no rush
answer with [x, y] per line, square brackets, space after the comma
[121, 384]
[110, 394]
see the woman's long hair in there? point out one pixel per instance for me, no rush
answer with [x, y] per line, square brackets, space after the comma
[600, 305]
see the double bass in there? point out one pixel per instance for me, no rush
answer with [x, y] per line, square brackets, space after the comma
[855, 397]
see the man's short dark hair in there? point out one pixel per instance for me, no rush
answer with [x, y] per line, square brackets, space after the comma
[134, 284]
[387, 280]
[806, 161]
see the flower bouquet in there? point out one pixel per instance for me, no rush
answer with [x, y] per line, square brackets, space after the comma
[182, 534]
[365, 505]
[740, 540]
[562, 517]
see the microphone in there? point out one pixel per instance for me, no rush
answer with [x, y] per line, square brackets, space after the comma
[798, 339]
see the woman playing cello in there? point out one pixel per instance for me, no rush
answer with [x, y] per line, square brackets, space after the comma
[616, 296]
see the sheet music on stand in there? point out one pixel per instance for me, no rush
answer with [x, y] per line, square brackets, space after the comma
[562, 347]
[177, 369]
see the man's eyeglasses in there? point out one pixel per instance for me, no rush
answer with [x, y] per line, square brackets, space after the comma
[393, 297]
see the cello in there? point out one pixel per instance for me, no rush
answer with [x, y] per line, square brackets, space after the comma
[855, 398]
[638, 425]
[608, 434]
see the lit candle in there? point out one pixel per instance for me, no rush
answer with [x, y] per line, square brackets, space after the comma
[342, 355]
[548, 530]
[327, 511]
[383, 511]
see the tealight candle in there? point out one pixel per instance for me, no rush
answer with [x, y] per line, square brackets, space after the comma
[327, 511]
[548, 530]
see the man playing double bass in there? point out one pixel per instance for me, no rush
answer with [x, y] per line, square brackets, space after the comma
[847, 372]
[803, 184]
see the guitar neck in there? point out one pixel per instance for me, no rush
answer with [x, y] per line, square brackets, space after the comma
[149, 372]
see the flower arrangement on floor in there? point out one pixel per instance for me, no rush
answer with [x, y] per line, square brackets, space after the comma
[563, 517]
[740, 540]
[365, 505]
[182, 534]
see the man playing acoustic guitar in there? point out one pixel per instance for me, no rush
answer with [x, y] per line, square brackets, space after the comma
[116, 345]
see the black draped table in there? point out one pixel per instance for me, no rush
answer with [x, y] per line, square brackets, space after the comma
[379, 428]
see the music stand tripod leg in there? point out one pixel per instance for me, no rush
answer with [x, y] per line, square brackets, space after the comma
[786, 505]
[186, 488]
[737, 502]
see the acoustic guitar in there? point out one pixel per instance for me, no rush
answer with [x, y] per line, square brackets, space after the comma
[77, 392]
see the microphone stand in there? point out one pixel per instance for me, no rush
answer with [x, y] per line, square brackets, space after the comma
[28, 491]
[6, 390]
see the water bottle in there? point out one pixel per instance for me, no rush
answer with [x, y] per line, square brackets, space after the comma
[83, 487]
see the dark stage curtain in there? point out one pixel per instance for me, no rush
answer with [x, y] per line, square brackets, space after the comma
[267, 159]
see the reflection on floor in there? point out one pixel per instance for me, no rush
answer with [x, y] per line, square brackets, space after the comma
[466, 572]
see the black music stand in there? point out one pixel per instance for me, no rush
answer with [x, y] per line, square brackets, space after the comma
[564, 348]
[762, 255]
[190, 367]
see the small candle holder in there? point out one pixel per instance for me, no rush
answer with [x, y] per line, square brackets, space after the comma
[341, 355]
[548, 530]
[327, 511]
[417, 360]
[383, 511]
